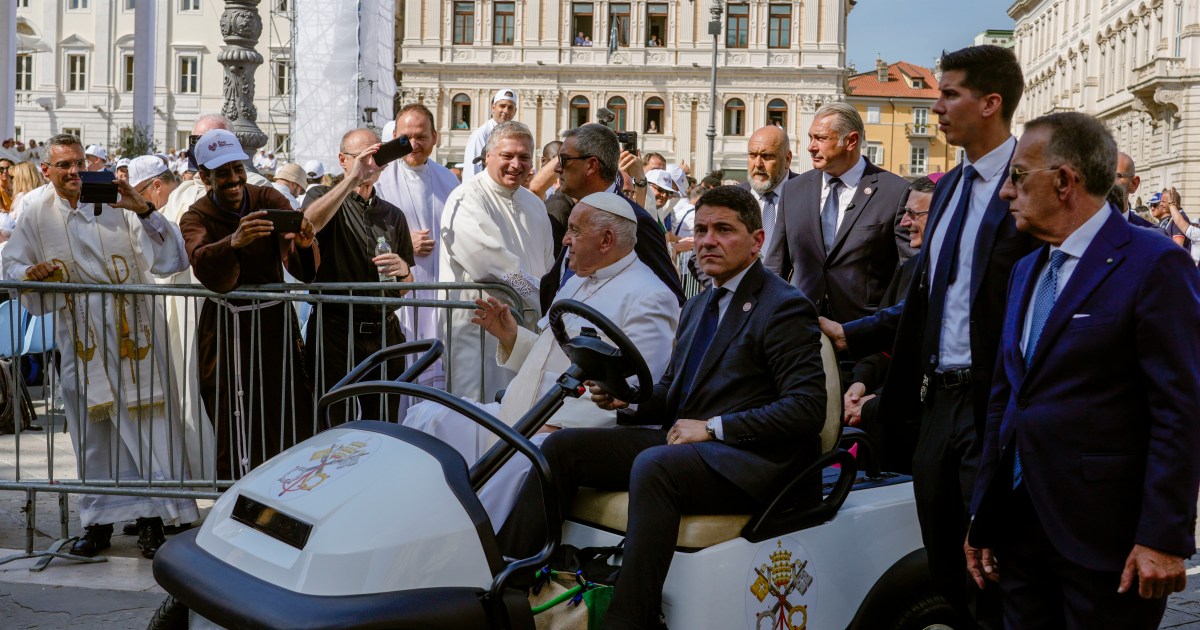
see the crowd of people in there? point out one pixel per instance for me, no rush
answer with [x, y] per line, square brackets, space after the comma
[1014, 336]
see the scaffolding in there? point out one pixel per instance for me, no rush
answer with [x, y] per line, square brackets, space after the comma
[281, 105]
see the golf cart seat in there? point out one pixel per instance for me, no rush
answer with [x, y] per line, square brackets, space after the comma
[610, 510]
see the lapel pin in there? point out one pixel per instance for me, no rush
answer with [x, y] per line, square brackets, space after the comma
[868, 190]
[1109, 261]
[746, 307]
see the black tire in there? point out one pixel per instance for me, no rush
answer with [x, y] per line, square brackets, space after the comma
[929, 611]
[171, 615]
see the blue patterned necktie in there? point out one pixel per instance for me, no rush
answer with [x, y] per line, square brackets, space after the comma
[705, 332]
[768, 218]
[1043, 303]
[829, 213]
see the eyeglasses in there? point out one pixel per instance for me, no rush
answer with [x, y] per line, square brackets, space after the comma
[1121, 175]
[351, 155]
[563, 159]
[4, 170]
[67, 165]
[1016, 174]
[913, 215]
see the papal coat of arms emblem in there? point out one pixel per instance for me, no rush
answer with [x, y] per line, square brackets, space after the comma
[782, 589]
[322, 465]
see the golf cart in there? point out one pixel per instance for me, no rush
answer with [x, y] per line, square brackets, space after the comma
[374, 525]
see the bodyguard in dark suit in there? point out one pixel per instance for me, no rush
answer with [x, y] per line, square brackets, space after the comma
[768, 167]
[587, 163]
[1085, 504]
[840, 249]
[945, 335]
[741, 405]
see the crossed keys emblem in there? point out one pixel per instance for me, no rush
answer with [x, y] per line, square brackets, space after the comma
[307, 477]
[779, 580]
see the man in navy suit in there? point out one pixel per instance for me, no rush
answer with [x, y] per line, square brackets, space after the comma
[768, 167]
[944, 336]
[1085, 504]
[836, 237]
[740, 406]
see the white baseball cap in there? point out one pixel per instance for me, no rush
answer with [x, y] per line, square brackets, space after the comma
[611, 203]
[218, 147]
[660, 178]
[145, 167]
[314, 169]
[679, 177]
[122, 162]
[96, 150]
[505, 95]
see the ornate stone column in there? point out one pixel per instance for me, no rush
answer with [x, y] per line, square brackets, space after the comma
[241, 27]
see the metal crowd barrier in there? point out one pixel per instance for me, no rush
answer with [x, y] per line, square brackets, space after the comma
[160, 413]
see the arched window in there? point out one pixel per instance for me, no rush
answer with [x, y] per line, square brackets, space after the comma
[735, 117]
[777, 113]
[580, 111]
[618, 107]
[461, 104]
[654, 115]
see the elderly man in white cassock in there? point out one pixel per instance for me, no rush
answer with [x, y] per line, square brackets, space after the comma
[601, 234]
[493, 230]
[419, 187]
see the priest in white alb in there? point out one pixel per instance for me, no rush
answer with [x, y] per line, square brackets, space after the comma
[419, 186]
[122, 411]
[493, 231]
[608, 276]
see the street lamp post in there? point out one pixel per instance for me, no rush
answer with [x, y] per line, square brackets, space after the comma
[714, 29]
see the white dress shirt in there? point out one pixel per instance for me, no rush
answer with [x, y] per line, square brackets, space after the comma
[722, 306]
[850, 181]
[955, 352]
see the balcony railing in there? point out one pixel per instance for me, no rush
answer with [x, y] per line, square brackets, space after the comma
[915, 130]
[915, 169]
[1160, 68]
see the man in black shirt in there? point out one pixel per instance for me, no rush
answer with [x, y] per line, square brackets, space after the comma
[349, 219]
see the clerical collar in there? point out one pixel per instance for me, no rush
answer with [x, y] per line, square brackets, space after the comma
[495, 186]
[604, 273]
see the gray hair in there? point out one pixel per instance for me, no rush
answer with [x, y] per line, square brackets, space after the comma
[210, 121]
[599, 142]
[510, 129]
[1081, 141]
[845, 120]
[63, 140]
[624, 230]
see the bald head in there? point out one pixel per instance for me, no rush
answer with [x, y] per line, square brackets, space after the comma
[355, 140]
[770, 156]
[208, 122]
[1127, 176]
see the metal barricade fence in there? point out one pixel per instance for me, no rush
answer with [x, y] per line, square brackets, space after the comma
[137, 372]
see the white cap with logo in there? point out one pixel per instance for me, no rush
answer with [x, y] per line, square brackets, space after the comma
[505, 95]
[145, 167]
[218, 147]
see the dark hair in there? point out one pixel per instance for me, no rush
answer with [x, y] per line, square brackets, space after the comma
[646, 157]
[710, 182]
[922, 184]
[989, 70]
[599, 142]
[1118, 197]
[1081, 141]
[737, 199]
[420, 109]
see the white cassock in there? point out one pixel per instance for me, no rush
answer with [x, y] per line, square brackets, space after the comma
[420, 192]
[489, 234]
[476, 143]
[122, 412]
[628, 293]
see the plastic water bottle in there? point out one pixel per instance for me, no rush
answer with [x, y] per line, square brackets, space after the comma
[381, 248]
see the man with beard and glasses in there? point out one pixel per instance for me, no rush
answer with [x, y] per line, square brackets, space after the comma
[250, 354]
[769, 165]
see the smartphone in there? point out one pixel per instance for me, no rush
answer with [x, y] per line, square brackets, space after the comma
[191, 150]
[393, 150]
[628, 140]
[286, 221]
[98, 187]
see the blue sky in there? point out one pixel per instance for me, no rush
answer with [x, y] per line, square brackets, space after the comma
[917, 30]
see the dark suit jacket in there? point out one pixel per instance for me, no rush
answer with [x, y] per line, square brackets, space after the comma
[651, 249]
[848, 282]
[762, 374]
[1105, 416]
[558, 207]
[997, 247]
[872, 370]
[1134, 219]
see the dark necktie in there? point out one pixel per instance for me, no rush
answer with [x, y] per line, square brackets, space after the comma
[946, 270]
[1043, 303]
[829, 213]
[768, 218]
[705, 332]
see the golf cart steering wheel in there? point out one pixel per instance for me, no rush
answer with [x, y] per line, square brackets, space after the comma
[607, 366]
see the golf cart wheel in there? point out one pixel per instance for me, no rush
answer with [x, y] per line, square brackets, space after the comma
[931, 612]
[171, 615]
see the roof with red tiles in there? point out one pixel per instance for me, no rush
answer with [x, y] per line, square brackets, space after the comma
[899, 84]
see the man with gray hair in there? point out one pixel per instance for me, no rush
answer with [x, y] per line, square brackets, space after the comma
[769, 165]
[836, 237]
[492, 230]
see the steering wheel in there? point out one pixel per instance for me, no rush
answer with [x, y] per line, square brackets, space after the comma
[607, 366]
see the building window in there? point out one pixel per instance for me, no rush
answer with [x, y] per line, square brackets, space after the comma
[619, 23]
[128, 5]
[874, 153]
[1178, 30]
[504, 21]
[24, 73]
[283, 78]
[76, 73]
[737, 26]
[281, 5]
[22, 4]
[461, 106]
[580, 109]
[873, 114]
[654, 115]
[283, 143]
[127, 72]
[960, 155]
[777, 113]
[735, 117]
[656, 25]
[189, 6]
[73, 131]
[464, 22]
[921, 120]
[582, 23]
[779, 26]
[182, 138]
[189, 74]
[620, 111]
[917, 158]
[77, 5]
